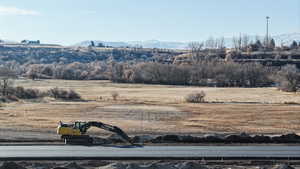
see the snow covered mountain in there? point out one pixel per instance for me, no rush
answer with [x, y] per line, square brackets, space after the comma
[285, 39]
[145, 44]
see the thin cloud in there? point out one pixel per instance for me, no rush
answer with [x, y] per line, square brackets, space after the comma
[5, 10]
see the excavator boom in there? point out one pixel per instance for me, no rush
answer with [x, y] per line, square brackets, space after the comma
[106, 127]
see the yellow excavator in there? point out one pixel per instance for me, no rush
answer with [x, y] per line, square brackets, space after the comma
[75, 133]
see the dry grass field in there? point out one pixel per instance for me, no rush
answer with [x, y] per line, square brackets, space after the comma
[156, 109]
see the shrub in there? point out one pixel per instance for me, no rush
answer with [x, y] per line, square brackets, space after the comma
[15, 93]
[55, 93]
[114, 95]
[22, 93]
[3, 99]
[290, 102]
[72, 95]
[12, 98]
[197, 97]
[289, 78]
[63, 94]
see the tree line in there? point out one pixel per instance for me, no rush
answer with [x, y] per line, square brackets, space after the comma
[205, 73]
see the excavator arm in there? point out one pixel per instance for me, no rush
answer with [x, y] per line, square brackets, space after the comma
[106, 127]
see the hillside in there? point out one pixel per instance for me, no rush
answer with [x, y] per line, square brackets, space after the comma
[24, 54]
[49, 54]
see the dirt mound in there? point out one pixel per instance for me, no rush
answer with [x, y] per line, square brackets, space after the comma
[190, 165]
[114, 138]
[115, 166]
[288, 138]
[164, 165]
[97, 163]
[73, 165]
[215, 138]
[132, 166]
[11, 165]
[142, 139]
[167, 139]
[283, 166]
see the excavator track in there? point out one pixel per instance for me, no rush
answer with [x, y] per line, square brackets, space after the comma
[78, 140]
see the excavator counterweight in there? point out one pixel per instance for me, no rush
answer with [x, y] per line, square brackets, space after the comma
[75, 133]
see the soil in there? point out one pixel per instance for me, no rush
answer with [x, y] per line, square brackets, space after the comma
[143, 165]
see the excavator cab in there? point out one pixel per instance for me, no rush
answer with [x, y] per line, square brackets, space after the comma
[75, 133]
[79, 124]
[65, 129]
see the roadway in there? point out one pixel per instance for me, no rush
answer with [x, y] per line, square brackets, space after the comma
[69, 152]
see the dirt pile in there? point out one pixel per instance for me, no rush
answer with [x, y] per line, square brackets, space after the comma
[142, 139]
[182, 165]
[73, 165]
[190, 165]
[207, 138]
[282, 166]
[215, 138]
[131, 165]
[11, 165]
[138, 166]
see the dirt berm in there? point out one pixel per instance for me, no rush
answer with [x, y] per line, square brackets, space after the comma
[209, 138]
[133, 165]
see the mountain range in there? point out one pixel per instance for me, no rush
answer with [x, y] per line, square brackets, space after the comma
[285, 39]
[145, 44]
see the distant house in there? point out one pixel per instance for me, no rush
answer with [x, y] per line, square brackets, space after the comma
[30, 42]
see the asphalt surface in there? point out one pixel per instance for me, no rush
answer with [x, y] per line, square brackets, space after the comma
[148, 152]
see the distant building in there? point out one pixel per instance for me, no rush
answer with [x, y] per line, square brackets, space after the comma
[30, 42]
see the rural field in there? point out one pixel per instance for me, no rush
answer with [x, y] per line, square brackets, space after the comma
[155, 109]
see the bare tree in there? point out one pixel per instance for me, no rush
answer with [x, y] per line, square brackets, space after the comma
[245, 41]
[33, 72]
[237, 42]
[196, 48]
[220, 43]
[210, 43]
[6, 76]
[117, 72]
[289, 78]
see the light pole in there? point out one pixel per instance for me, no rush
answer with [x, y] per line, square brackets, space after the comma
[267, 34]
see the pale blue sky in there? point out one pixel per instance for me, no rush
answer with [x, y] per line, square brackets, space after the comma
[71, 21]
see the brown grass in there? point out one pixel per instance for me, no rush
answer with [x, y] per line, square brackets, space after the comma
[158, 109]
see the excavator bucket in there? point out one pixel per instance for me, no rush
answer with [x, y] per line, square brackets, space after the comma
[123, 135]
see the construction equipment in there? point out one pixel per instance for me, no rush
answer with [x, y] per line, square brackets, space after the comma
[75, 133]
